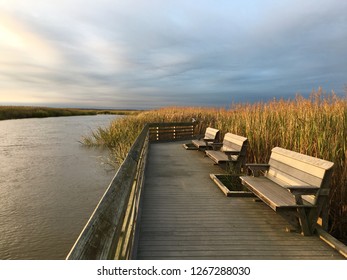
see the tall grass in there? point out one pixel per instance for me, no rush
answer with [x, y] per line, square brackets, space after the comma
[316, 126]
[118, 137]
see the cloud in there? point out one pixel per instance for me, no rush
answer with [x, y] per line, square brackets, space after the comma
[151, 53]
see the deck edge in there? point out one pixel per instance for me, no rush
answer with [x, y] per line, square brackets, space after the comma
[332, 241]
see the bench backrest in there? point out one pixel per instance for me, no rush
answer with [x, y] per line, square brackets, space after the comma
[236, 143]
[212, 133]
[288, 168]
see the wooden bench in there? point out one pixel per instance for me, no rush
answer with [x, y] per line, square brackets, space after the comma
[232, 150]
[293, 182]
[211, 136]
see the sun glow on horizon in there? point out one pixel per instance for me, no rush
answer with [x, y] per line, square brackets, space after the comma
[14, 96]
[23, 45]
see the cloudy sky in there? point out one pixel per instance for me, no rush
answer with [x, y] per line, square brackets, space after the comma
[150, 53]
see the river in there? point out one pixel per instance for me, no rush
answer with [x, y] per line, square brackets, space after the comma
[49, 184]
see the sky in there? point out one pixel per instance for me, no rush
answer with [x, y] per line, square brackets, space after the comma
[141, 54]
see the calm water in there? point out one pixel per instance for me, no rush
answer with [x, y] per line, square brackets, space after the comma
[49, 184]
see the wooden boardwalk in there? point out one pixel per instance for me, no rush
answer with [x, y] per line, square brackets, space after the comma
[185, 216]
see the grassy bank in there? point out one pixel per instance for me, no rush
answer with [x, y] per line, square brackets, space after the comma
[21, 112]
[316, 126]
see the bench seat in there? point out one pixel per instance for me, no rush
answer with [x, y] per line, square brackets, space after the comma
[201, 144]
[278, 198]
[232, 150]
[221, 157]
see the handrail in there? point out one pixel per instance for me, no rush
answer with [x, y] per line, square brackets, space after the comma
[111, 231]
[106, 234]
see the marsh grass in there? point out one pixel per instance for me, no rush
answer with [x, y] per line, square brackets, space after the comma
[316, 126]
[21, 112]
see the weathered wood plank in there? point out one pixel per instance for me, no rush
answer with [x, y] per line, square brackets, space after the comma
[268, 191]
[234, 140]
[273, 254]
[291, 175]
[310, 164]
[211, 133]
[219, 157]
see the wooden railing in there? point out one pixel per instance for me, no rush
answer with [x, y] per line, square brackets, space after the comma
[112, 230]
[171, 131]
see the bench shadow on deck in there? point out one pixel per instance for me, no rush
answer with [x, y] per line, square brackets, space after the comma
[185, 216]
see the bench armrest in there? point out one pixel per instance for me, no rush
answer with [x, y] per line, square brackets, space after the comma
[257, 167]
[208, 140]
[303, 190]
[298, 191]
[231, 153]
[216, 146]
[199, 136]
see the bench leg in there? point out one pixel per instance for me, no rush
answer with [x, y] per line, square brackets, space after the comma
[233, 167]
[303, 220]
[321, 211]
